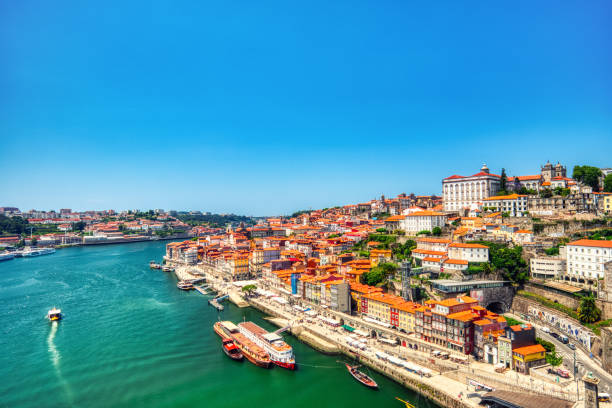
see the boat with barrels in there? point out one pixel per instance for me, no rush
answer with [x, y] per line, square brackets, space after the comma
[361, 377]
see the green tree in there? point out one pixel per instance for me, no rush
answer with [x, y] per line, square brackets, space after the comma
[437, 231]
[249, 289]
[379, 274]
[503, 181]
[546, 193]
[608, 183]
[550, 347]
[588, 175]
[588, 311]
[79, 226]
[12, 225]
[554, 359]
[34, 241]
[507, 261]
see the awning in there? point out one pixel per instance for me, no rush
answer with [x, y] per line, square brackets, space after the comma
[348, 328]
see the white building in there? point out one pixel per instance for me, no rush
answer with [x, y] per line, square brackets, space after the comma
[423, 221]
[459, 192]
[515, 204]
[586, 259]
[468, 252]
[547, 267]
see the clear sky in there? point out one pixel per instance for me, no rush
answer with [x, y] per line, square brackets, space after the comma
[266, 107]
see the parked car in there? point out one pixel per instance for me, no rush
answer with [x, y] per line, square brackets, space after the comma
[564, 339]
[555, 335]
[545, 329]
[572, 346]
[560, 372]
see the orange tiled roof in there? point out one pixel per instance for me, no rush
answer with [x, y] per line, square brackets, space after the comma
[462, 245]
[528, 350]
[592, 243]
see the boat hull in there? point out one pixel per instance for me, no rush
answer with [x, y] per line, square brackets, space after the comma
[288, 366]
[362, 378]
[257, 362]
[236, 355]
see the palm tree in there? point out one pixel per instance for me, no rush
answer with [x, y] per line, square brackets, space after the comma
[588, 311]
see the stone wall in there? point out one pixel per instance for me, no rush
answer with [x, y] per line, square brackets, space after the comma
[606, 348]
[554, 295]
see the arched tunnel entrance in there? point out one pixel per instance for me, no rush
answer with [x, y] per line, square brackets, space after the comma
[497, 307]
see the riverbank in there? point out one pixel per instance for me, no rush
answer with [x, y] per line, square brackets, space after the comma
[441, 390]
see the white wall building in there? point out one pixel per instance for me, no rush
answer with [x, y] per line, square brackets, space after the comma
[423, 220]
[468, 252]
[547, 267]
[515, 204]
[459, 192]
[586, 259]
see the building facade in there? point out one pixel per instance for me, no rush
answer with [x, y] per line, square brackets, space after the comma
[586, 259]
[460, 192]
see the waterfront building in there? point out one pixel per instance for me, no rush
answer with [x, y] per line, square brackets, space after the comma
[358, 290]
[586, 259]
[460, 192]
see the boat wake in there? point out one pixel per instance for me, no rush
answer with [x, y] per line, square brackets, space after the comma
[55, 359]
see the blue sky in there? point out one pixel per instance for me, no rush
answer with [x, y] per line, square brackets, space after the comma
[269, 107]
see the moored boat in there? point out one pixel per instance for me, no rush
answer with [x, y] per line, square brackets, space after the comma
[231, 350]
[154, 265]
[184, 285]
[280, 352]
[5, 256]
[252, 351]
[167, 268]
[54, 314]
[361, 377]
[225, 329]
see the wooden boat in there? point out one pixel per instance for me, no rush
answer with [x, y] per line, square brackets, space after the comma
[154, 265]
[54, 314]
[361, 377]
[231, 350]
[167, 268]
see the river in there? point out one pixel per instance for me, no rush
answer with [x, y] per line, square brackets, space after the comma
[130, 338]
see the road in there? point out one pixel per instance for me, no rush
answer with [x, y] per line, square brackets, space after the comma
[583, 361]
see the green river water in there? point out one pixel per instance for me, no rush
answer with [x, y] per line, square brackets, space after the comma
[130, 338]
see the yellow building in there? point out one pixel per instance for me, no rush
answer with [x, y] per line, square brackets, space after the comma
[358, 290]
[380, 256]
[607, 204]
[529, 356]
[471, 222]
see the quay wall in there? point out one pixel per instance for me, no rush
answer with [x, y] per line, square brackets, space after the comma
[413, 382]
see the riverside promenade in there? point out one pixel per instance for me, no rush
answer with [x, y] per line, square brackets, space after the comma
[449, 386]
